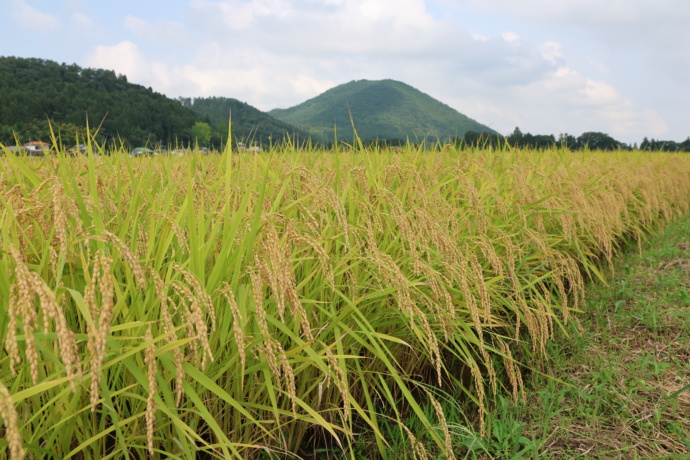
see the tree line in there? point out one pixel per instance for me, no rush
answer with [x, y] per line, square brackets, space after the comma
[588, 140]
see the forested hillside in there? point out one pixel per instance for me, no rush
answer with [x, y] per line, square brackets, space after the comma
[383, 109]
[33, 91]
[249, 124]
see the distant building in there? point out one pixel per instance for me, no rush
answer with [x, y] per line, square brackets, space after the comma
[242, 147]
[36, 148]
[15, 148]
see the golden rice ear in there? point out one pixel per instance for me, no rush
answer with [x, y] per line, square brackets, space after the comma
[288, 373]
[100, 299]
[204, 300]
[197, 327]
[180, 233]
[127, 255]
[59, 215]
[419, 452]
[478, 381]
[271, 347]
[152, 370]
[23, 305]
[11, 345]
[447, 439]
[169, 330]
[513, 371]
[52, 310]
[11, 424]
[237, 323]
[324, 258]
[340, 380]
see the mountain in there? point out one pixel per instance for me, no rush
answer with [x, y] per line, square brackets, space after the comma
[37, 90]
[249, 124]
[38, 95]
[381, 109]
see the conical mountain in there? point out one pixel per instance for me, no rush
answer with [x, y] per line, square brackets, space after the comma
[380, 109]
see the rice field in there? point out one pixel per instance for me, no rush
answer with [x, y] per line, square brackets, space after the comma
[261, 306]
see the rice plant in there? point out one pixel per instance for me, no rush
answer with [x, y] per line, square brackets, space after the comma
[242, 305]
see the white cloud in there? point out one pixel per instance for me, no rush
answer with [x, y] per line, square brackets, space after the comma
[654, 30]
[552, 52]
[599, 66]
[592, 11]
[81, 21]
[28, 17]
[311, 27]
[160, 31]
[510, 37]
[306, 85]
[278, 53]
[135, 24]
[239, 15]
[599, 93]
[126, 58]
[566, 101]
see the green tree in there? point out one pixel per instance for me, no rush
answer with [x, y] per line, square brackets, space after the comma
[482, 139]
[515, 139]
[201, 133]
[598, 141]
[685, 145]
[568, 141]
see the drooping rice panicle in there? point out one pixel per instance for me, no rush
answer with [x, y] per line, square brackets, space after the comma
[298, 291]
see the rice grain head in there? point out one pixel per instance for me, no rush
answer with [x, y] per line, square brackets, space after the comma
[59, 217]
[10, 420]
[481, 398]
[52, 310]
[201, 294]
[269, 348]
[513, 371]
[418, 450]
[150, 361]
[448, 441]
[237, 323]
[130, 258]
[180, 234]
[25, 307]
[340, 380]
[168, 328]
[290, 382]
[11, 344]
[101, 313]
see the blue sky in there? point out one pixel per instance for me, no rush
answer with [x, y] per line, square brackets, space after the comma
[547, 66]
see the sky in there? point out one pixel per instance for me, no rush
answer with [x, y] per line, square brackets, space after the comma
[546, 66]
